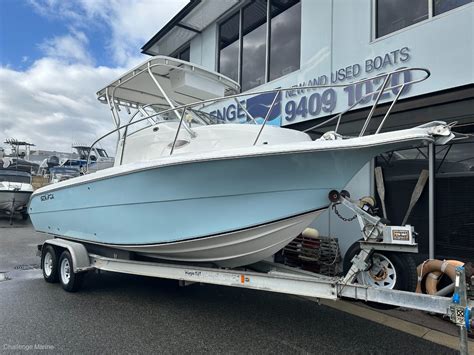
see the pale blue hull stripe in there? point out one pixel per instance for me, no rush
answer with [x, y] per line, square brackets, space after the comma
[197, 199]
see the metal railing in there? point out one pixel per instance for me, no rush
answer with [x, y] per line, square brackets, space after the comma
[206, 103]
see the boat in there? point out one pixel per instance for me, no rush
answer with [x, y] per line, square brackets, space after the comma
[95, 158]
[62, 173]
[18, 159]
[15, 191]
[18, 164]
[190, 188]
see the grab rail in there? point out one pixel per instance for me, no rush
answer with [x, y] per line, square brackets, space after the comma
[379, 92]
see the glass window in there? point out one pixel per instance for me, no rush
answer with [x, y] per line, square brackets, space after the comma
[254, 44]
[285, 38]
[185, 54]
[251, 45]
[440, 6]
[229, 47]
[14, 178]
[393, 15]
[102, 153]
[456, 158]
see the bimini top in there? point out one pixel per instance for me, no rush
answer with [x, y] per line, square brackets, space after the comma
[161, 78]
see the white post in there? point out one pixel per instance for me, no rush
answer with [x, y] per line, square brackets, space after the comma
[431, 202]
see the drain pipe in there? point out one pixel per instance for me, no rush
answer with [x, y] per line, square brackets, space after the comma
[431, 202]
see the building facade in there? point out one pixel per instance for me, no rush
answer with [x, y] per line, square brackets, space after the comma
[268, 44]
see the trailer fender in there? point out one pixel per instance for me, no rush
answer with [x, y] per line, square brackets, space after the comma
[79, 254]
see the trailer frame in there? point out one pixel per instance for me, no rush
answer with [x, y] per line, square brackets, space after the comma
[278, 278]
[67, 260]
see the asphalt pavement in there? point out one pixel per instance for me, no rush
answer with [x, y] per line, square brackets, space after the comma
[116, 313]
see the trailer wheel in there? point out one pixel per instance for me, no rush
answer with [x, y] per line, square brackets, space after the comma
[395, 271]
[70, 280]
[49, 264]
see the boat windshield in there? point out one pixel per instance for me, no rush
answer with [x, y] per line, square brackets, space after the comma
[169, 90]
[84, 152]
[15, 176]
[102, 153]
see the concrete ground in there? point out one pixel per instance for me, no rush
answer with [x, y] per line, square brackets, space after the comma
[123, 313]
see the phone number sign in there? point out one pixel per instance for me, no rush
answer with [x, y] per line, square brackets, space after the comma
[299, 104]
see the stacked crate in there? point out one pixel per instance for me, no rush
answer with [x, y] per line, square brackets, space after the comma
[313, 253]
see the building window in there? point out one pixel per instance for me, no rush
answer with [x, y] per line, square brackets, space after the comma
[285, 35]
[393, 15]
[440, 6]
[229, 47]
[254, 44]
[183, 54]
[261, 42]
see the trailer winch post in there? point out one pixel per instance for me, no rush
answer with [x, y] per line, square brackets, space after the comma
[459, 311]
[376, 235]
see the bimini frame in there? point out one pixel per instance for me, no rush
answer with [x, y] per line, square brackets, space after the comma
[117, 94]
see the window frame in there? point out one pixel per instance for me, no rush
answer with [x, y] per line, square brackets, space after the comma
[177, 53]
[431, 17]
[240, 11]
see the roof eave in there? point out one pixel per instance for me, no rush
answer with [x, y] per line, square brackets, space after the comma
[169, 26]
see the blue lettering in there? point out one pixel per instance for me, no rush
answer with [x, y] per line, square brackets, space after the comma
[231, 112]
[241, 113]
[221, 114]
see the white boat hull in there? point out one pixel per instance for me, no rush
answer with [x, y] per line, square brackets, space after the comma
[13, 201]
[242, 247]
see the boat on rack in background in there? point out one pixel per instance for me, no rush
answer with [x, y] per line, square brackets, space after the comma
[15, 179]
[15, 191]
[188, 188]
[18, 159]
[92, 158]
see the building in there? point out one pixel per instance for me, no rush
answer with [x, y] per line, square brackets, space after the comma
[267, 44]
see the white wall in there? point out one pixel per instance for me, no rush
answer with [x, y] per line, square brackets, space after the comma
[336, 34]
[203, 48]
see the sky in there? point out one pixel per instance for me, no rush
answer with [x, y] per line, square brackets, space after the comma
[56, 54]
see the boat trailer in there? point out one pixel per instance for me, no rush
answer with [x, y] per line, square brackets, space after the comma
[75, 260]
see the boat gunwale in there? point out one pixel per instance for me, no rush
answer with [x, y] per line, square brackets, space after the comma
[203, 157]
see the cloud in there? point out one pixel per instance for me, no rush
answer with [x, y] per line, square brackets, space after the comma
[71, 48]
[52, 103]
[127, 23]
[136, 22]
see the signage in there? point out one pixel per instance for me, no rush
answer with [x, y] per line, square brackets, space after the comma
[305, 104]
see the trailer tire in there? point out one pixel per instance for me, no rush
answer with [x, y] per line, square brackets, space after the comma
[49, 264]
[398, 271]
[70, 280]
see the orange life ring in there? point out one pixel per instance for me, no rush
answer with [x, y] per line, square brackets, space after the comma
[433, 269]
[432, 279]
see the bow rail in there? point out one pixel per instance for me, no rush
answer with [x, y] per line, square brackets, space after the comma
[193, 108]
